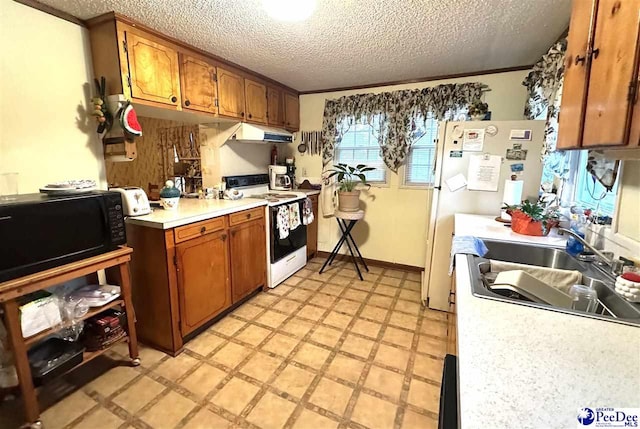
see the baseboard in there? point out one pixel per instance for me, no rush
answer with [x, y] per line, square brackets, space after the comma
[373, 262]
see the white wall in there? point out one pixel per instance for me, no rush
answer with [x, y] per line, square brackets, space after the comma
[394, 228]
[45, 88]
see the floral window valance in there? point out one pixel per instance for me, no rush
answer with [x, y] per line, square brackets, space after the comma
[397, 111]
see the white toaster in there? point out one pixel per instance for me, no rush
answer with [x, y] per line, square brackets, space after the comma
[134, 201]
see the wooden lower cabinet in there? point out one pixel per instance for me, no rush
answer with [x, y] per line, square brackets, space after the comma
[248, 255]
[452, 328]
[312, 230]
[202, 265]
[183, 278]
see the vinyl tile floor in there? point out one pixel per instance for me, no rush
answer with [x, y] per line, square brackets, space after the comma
[318, 351]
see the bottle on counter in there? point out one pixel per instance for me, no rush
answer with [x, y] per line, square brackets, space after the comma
[579, 226]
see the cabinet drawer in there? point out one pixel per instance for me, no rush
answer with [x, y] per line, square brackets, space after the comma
[245, 216]
[193, 230]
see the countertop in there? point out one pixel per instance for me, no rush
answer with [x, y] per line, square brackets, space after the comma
[487, 227]
[193, 210]
[533, 368]
[309, 191]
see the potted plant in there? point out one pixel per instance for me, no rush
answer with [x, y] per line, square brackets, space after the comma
[478, 110]
[532, 218]
[348, 178]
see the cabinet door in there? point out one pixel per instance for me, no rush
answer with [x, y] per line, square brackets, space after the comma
[248, 258]
[312, 230]
[613, 71]
[153, 69]
[291, 111]
[576, 75]
[199, 91]
[275, 108]
[230, 94]
[203, 279]
[256, 101]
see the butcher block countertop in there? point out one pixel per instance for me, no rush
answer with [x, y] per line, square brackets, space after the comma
[193, 210]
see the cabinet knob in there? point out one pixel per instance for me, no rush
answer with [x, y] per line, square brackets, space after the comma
[224, 237]
[187, 103]
[174, 99]
[595, 53]
[242, 114]
[579, 59]
[248, 215]
[250, 116]
[203, 230]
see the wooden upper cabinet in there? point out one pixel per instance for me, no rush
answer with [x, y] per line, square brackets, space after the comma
[613, 77]
[256, 101]
[248, 258]
[204, 286]
[230, 94]
[198, 84]
[275, 107]
[153, 70]
[291, 111]
[601, 75]
[574, 89]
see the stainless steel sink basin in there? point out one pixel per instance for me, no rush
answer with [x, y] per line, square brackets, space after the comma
[612, 307]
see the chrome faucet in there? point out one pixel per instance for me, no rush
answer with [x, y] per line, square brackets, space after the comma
[614, 265]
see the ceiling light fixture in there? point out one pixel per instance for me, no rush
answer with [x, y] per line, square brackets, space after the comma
[289, 10]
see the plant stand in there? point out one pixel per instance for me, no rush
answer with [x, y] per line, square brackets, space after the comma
[342, 218]
[116, 265]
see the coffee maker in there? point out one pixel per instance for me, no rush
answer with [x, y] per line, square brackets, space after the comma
[291, 170]
[278, 178]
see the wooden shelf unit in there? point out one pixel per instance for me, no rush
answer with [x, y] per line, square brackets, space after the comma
[29, 341]
[116, 266]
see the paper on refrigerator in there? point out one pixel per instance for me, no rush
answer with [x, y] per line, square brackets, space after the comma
[473, 140]
[484, 173]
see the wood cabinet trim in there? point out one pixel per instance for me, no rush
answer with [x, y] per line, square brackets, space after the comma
[198, 229]
[246, 216]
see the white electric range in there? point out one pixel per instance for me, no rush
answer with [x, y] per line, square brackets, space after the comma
[284, 256]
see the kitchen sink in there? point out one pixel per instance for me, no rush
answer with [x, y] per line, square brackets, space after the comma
[611, 306]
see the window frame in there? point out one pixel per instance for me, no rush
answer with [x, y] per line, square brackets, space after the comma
[404, 183]
[386, 170]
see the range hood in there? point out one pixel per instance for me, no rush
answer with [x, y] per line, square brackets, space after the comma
[249, 133]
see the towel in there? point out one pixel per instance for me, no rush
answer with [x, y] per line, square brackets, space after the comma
[468, 245]
[560, 279]
[327, 195]
[294, 216]
[307, 215]
[282, 222]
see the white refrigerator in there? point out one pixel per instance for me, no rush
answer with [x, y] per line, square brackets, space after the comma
[457, 143]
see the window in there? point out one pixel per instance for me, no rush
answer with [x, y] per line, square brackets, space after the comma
[359, 145]
[419, 167]
[589, 193]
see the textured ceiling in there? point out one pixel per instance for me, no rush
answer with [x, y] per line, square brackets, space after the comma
[353, 42]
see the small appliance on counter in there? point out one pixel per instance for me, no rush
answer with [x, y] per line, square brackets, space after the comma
[291, 169]
[278, 178]
[134, 201]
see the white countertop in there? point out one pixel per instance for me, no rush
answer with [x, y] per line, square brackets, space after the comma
[533, 368]
[193, 210]
[487, 227]
[309, 191]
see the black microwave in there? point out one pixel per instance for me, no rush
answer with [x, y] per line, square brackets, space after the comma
[38, 232]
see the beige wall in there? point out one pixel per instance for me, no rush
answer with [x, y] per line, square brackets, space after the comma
[629, 203]
[45, 132]
[394, 228]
